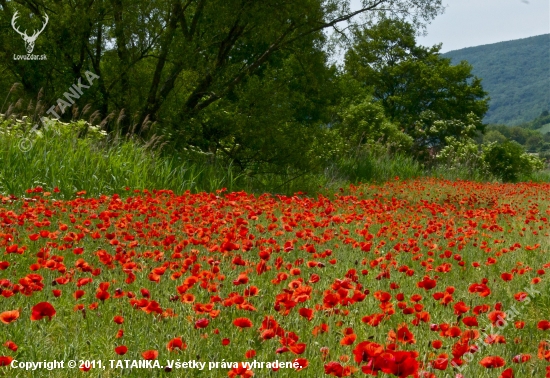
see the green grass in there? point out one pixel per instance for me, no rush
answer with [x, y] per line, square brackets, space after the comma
[103, 168]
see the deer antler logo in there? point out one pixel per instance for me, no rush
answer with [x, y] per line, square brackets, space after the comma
[29, 40]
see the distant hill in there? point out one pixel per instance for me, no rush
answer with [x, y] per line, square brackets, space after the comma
[515, 73]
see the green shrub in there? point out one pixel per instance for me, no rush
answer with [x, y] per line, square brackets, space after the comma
[509, 161]
[462, 158]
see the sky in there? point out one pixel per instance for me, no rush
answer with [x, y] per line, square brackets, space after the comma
[468, 23]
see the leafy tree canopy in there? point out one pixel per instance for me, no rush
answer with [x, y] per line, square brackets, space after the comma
[245, 79]
[414, 84]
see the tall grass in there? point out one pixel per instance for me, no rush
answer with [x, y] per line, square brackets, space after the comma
[74, 164]
[106, 168]
[459, 173]
[366, 166]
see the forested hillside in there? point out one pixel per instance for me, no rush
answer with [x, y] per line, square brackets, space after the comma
[515, 73]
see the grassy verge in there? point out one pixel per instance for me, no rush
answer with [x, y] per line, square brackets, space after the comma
[99, 167]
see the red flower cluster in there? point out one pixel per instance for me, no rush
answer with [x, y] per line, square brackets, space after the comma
[438, 272]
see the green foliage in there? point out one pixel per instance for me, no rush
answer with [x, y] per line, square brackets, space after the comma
[66, 130]
[509, 161]
[99, 166]
[497, 157]
[515, 73]
[542, 120]
[493, 136]
[365, 123]
[419, 90]
[462, 155]
[271, 121]
[238, 94]
[532, 140]
[247, 79]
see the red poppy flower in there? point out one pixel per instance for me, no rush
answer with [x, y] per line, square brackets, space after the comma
[9, 316]
[201, 323]
[508, 373]
[400, 363]
[336, 369]
[83, 281]
[348, 339]
[5, 360]
[306, 313]
[521, 296]
[102, 295]
[366, 350]
[461, 308]
[297, 348]
[544, 351]
[42, 310]
[373, 320]
[427, 283]
[404, 335]
[242, 323]
[382, 296]
[78, 294]
[11, 345]
[241, 371]
[441, 362]
[521, 358]
[507, 276]
[496, 317]
[519, 324]
[470, 321]
[86, 367]
[251, 353]
[78, 307]
[225, 342]
[482, 289]
[121, 350]
[302, 363]
[492, 362]
[118, 319]
[150, 355]
[481, 309]
[543, 325]
[176, 343]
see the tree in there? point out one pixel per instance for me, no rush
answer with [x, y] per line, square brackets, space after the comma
[235, 77]
[493, 136]
[415, 85]
[198, 51]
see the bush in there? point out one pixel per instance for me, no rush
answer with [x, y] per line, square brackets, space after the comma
[509, 161]
[462, 158]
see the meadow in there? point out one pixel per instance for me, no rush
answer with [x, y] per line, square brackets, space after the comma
[232, 189]
[412, 278]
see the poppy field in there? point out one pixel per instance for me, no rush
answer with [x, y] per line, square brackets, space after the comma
[422, 278]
